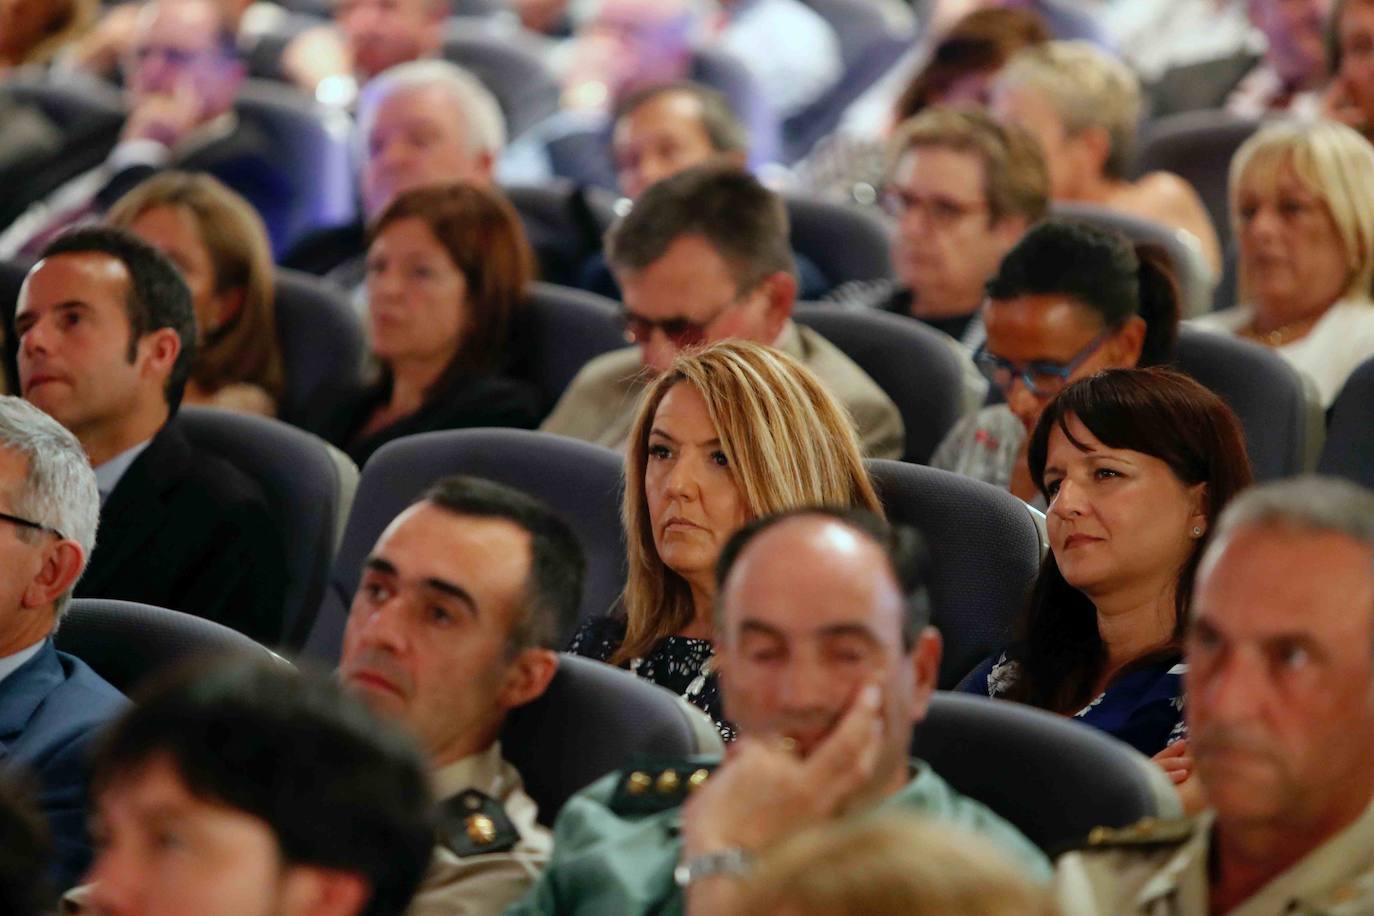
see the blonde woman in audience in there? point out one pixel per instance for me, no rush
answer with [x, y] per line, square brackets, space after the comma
[727, 434]
[889, 866]
[1083, 105]
[447, 272]
[1300, 202]
[219, 243]
[1136, 465]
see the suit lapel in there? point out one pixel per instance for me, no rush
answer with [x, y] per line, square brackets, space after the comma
[24, 691]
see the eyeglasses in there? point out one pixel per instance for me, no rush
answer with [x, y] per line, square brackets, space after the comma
[25, 523]
[940, 212]
[681, 332]
[1042, 379]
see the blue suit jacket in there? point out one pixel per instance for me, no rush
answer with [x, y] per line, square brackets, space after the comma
[50, 709]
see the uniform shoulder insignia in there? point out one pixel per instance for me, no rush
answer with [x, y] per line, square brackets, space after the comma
[473, 823]
[654, 786]
[1145, 833]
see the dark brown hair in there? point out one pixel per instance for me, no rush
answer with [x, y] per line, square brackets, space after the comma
[483, 237]
[1158, 412]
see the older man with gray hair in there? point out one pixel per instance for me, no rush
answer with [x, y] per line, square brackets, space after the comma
[1280, 689]
[51, 704]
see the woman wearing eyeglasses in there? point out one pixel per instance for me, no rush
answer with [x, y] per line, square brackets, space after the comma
[1068, 300]
[726, 435]
[447, 269]
[1135, 464]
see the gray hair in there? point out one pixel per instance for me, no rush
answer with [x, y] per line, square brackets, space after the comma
[59, 489]
[1310, 502]
[486, 126]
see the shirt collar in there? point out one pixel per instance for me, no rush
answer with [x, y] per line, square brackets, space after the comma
[12, 663]
[483, 771]
[108, 474]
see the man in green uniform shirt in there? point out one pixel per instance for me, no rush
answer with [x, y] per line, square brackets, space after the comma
[827, 663]
[1280, 692]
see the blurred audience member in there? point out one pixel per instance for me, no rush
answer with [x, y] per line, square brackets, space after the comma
[960, 71]
[33, 31]
[24, 852]
[1280, 690]
[100, 50]
[827, 664]
[1154, 38]
[1136, 465]
[425, 123]
[107, 336]
[790, 49]
[454, 624]
[1069, 300]
[333, 62]
[182, 76]
[729, 434]
[1350, 97]
[1298, 202]
[447, 272]
[220, 246]
[51, 704]
[963, 189]
[1083, 105]
[703, 256]
[547, 17]
[251, 788]
[1285, 73]
[889, 866]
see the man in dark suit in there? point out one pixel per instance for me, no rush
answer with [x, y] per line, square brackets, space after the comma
[51, 704]
[106, 336]
[182, 76]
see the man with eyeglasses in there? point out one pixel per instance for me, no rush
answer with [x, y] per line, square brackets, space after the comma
[704, 256]
[182, 75]
[51, 704]
[962, 190]
[1066, 302]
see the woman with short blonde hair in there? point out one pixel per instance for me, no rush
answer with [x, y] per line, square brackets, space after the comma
[1299, 203]
[727, 434]
[219, 243]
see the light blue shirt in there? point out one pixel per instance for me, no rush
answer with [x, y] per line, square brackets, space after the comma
[107, 476]
[12, 663]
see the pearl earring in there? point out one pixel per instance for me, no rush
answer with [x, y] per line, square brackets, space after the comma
[1197, 532]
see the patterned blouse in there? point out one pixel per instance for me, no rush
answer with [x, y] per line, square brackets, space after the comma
[682, 664]
[1143, 707]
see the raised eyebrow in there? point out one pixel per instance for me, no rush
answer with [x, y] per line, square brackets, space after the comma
[379, 564]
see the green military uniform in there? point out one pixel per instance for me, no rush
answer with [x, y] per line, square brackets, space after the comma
[1160, 869]
[600, 403]
[491, 847]
[617, 842]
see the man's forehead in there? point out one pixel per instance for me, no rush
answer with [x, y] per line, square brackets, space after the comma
[438, 538]
[89, 276]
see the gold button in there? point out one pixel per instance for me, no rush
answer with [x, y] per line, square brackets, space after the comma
[668, 782]
[697, 780]
[480, 829]
[639, 783]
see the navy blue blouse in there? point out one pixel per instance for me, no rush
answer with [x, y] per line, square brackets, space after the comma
[1143, 707]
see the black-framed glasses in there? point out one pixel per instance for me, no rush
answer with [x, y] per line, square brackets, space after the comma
[681, 332]
[1042, 379]
[26, 523]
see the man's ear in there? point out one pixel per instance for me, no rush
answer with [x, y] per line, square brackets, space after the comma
[1094, 145]
[528, 676]
[160, 349]
[62, 565]
[925, 661]
[1128, 343]
[781, 289]
[313, 890]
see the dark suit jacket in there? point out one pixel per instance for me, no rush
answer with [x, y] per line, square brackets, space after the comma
[185, 529]
[1202, 85]
[50, 710]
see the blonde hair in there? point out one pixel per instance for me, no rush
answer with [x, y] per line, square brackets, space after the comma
[897, 865]
[1331, 161]
[246, 348]
[788, 442]
[1087, 87]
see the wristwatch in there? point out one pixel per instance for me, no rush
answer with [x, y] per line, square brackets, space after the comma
[729, 861]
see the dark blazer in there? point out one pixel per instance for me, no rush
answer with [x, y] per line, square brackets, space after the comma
[488, 400]
[185, 529]
[1202, 85]
[50, 710]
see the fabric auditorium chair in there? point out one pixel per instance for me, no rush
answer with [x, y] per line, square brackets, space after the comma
[127, 642]
[508, 60]
[844, 242]
[1349, 448]
[322, 347]
[564, 329]
[985, 548]
[580, 481]
[917, 369]
[592, 720]
[1051, 777]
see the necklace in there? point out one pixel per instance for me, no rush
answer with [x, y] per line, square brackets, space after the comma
[1283, 333]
